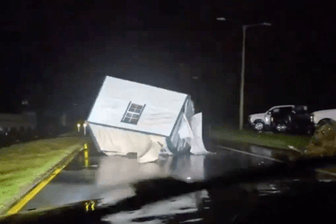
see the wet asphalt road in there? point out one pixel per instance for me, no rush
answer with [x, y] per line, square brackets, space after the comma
[109, 177]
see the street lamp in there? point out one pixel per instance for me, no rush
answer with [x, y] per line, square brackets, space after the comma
[242, 82]
[78, 127]
[84, 126]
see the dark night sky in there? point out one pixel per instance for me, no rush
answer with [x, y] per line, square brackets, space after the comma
[57, 54]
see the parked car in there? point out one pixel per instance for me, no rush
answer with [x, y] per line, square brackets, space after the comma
[322, 117]
[283, 118]
[296, 120]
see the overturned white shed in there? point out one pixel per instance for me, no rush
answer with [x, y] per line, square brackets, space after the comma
[130, 117]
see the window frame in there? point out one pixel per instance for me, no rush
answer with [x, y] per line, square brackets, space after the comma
[133, 110]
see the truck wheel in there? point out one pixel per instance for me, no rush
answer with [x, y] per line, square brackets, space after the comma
[323, 122]
[259, 125]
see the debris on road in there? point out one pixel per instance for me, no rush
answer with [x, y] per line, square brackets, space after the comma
[129, 117]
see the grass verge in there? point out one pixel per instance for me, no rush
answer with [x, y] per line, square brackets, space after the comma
[279, 141]
[22, 164]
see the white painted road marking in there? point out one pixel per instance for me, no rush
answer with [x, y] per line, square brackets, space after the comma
[276, 160]
[251, 154]
[326, 172]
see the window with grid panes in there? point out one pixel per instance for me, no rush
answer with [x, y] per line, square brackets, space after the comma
[133, 113]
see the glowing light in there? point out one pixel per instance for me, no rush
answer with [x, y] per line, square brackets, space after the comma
[84, 125]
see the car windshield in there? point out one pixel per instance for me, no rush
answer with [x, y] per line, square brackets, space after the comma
[106, 106]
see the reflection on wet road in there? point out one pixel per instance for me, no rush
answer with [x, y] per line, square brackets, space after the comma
[108, 177]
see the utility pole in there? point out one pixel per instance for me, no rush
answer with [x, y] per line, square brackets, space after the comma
[242, 83]
[242, 79]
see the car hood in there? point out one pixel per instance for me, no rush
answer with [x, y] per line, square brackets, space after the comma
[257, 116]
[330, 111]
[322, 114]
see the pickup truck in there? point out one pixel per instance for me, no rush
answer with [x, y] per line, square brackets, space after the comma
[322, 117]
[283, 118]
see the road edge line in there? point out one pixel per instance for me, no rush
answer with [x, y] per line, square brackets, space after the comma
[265, 157]
[251, 154]
[16, 206]
[326, 172]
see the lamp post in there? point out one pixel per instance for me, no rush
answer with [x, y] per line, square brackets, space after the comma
[78, 127]
[84, 126]
[242, 80]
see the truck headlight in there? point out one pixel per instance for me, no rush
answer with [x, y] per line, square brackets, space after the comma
[312, 118]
